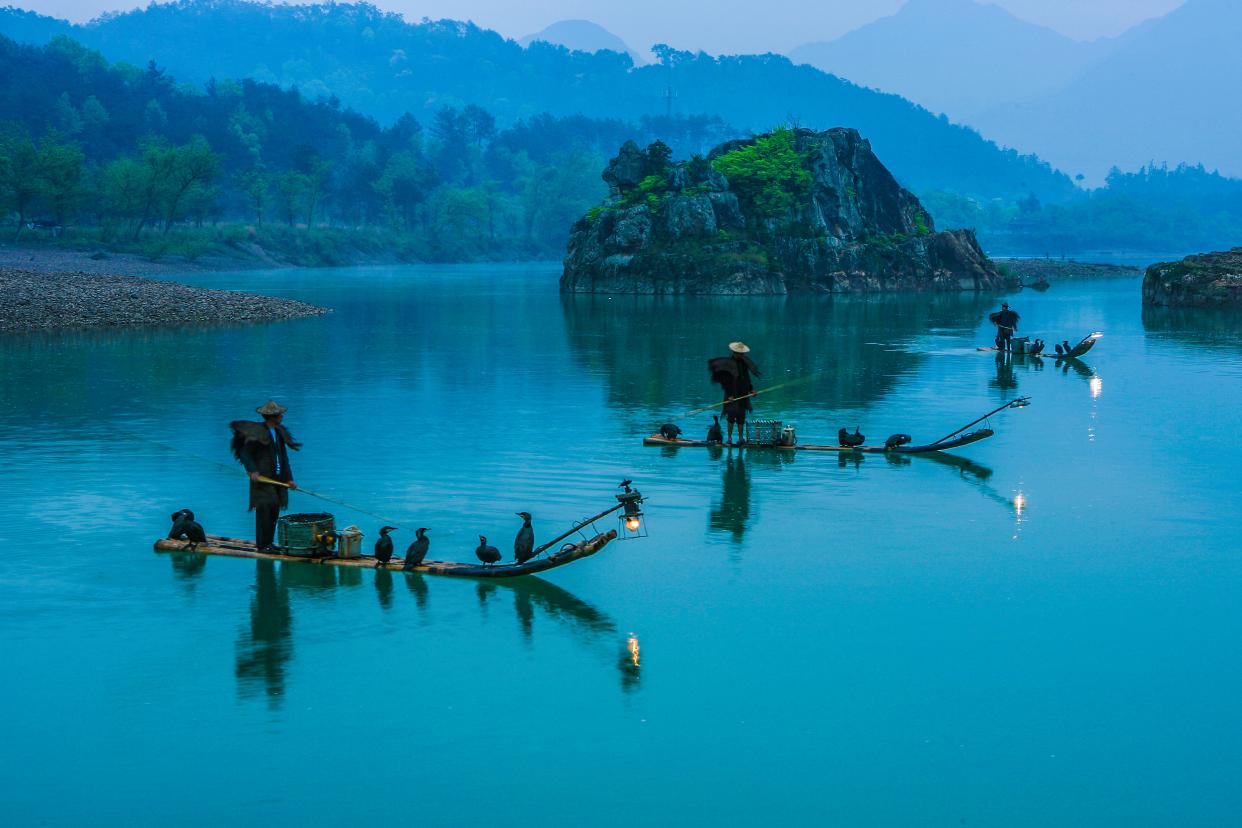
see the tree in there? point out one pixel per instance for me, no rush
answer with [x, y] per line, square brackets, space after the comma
[192, 169]
[254, 183]
[290, 189]
[20, 182]
[404, 186]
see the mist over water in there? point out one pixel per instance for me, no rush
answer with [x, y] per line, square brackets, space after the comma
[1038, 630]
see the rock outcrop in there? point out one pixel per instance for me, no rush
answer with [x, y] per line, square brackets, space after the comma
[790, 211]
[1206, 280]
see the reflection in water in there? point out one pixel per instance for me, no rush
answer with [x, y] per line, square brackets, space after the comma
[383, 588]
[1219, 328]
[732, 512]
[628, 663]
[1005, 379]
[653, 350]
[1097, 387]
[188, 567]
[417, 585]
[265, 649]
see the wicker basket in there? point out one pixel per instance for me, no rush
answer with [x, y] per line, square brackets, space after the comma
[764, 432]
[299, 534]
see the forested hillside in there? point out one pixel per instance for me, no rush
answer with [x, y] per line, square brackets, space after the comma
[135, 153]
[382, 66]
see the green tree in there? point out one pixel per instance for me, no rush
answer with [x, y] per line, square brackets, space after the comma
[768, 173]
[289, 190]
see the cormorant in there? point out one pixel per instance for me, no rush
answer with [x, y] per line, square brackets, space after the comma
[383, 546]
[487, 554]
[524, 543]
[1060, 350]
[185, 527]
[844, 437]
[897, 440]
[1067, 347]
[417, 550]
[714, 434]
[669, 431]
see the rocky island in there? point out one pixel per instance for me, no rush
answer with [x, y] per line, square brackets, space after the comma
[794, 210]
[1205, 280]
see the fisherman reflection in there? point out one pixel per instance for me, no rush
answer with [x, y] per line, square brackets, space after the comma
[732, 513]
[265, 649]
[1005, 379]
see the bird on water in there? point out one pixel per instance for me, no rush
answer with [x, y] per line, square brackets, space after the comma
[417, 550]
[185, 527]
[487, 554]
[897, 440]
[669, 431]
[846, 439]
[1067, 347]
[524, 543]
[383, 546]
[714, 434]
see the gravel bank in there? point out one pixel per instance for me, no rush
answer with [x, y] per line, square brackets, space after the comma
[41, 301]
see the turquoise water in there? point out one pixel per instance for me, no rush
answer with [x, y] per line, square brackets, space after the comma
[1044, 635]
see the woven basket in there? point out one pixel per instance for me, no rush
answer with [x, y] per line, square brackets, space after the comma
[296, 534]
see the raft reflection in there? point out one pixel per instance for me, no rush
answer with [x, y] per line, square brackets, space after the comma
[265, 647]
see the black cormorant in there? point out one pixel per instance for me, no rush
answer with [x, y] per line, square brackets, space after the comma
[1060, 350]
[714, 434]
[897, 440]
[487, 554]
[524, 543]
[417, 550]
[383, 546]
[844, 437]
[1067, 347]
[185, 527]
[669, 431]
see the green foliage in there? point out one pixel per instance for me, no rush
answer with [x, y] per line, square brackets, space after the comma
[651, 191]
[768, 174]
[920, 223]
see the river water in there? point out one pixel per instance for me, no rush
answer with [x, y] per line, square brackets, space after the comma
[1041, 632]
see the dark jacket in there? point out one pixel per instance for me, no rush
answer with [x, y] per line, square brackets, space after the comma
[254, 448]
[732, 374]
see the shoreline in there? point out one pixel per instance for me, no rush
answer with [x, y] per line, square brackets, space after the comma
[58, 300]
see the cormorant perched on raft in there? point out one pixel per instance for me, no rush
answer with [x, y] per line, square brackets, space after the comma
[897, 440]
[383, 546]
[669, 431]
[1060, 350]
[185, 527]
[487, 554]
[1065, 344]
[524, 543]
[844, 437]
[714, 434]
[417, 550]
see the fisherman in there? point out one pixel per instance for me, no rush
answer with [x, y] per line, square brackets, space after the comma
[261, 448]
[1006, 322]
[733, 374]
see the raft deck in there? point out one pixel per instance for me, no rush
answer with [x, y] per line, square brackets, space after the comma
[963, 440]
[237, 548]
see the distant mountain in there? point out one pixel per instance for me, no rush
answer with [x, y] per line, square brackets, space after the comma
[1167, 93]
[582, 36]
[380, 65]
[955, 56]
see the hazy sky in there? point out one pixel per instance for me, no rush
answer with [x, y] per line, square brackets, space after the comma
[720, 27]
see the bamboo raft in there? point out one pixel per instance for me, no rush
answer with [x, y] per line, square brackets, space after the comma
[963, 440]
[1085, 344]
[237, 548]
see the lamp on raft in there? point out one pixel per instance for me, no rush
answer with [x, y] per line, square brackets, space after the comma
[631, 517]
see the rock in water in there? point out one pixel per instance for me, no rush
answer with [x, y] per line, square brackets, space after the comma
[1206, 280]
[832, 219]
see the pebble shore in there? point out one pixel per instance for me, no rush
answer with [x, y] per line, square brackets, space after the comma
[46, 301]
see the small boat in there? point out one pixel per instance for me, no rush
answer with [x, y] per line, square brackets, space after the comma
[236, 548]
[961, 440]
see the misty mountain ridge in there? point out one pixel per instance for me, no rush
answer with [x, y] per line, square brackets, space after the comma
[955, 56]
[1165, 94]
[382, 66]
[582, 36]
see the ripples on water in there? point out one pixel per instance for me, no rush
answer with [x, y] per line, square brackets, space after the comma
[1046, 618]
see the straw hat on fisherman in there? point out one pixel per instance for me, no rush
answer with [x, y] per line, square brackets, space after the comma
[271, 408]
[739, 347]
